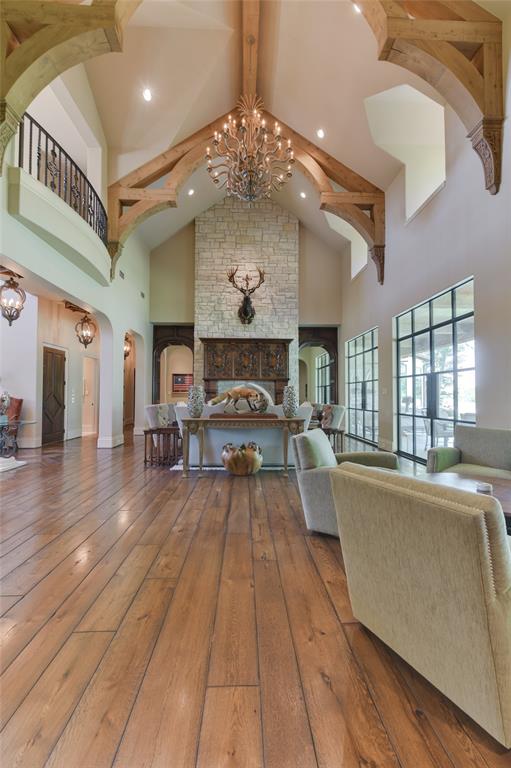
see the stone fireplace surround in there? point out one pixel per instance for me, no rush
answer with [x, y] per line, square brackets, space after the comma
[262, 234]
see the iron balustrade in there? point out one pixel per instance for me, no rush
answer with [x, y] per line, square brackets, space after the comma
[44, 159]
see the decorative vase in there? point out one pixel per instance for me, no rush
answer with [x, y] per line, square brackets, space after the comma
[245, 460]
[196, 400]
[289, 402]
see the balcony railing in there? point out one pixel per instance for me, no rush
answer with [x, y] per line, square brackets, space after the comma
[44, 159]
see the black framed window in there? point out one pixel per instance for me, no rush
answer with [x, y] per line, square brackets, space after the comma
[323, 378]
[435, 370]
[362, 386]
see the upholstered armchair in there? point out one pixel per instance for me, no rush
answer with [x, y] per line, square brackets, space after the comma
[429, 572]
[315, 460]
[160, 415]
[476, 451]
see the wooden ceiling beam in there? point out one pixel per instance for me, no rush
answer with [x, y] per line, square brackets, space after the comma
[336, 170]
[181, 161]
[363, 199]
[159, 166]
[449, 31]
[130, 195]
[440, 49]
[250, 45]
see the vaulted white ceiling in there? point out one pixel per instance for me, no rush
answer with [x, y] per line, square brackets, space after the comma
[317, 64]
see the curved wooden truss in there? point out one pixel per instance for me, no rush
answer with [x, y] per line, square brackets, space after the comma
[361, 204]
[40, 39]
[456, 46]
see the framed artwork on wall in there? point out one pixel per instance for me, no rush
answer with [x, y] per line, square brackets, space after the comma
[181, 382]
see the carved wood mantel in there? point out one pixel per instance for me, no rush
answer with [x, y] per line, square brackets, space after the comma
[246, 360]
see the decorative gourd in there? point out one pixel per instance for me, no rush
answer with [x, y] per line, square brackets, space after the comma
[245, 460]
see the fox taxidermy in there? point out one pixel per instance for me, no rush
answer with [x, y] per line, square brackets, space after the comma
[255, 400]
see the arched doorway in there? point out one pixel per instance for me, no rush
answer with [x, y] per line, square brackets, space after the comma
[317, 361]
[176, 372]
[169, 336]
[130, 367]
[315, 366]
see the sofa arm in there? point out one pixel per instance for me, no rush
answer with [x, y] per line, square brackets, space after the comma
[383, 459]
[440, 459]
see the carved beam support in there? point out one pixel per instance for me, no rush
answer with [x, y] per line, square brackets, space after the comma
[377, 253]
[486, 139]
[457, 48]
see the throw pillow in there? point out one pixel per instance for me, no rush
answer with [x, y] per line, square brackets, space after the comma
[326, 419]
[163, 415]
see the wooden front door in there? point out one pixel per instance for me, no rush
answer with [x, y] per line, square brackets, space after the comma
[54, 365]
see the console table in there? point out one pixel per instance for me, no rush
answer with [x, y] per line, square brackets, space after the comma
[198, 426]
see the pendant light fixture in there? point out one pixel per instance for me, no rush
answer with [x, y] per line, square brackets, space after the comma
[85, 328]
[12, 297]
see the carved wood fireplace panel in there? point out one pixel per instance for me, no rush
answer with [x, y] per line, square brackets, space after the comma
[256, 360]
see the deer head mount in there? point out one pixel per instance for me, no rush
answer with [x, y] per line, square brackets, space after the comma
[246, 312]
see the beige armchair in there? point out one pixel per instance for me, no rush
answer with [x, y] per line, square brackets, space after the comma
[476, 451]
[429, 572]
[314, 462]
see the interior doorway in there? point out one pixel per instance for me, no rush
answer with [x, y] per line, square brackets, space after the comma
[54, 401]
[129, 384]
[176, 373]
[317, 363]
[90, 397]
[315, 374]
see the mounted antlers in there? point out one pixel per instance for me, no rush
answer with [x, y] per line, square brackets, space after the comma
[246, 312]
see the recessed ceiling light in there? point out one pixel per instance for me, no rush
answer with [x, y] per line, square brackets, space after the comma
[191, 192]
[320, 133]
[357, 8]
[146, 93]
[303, 195]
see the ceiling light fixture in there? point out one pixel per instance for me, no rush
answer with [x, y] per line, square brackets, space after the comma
[320, 133]
[357, 8]
[191, 192]
[12, 297]
[146, 93]
[254, 159]
[303, 195]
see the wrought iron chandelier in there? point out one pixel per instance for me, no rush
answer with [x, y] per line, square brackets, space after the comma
[254, 159]
[12, 298]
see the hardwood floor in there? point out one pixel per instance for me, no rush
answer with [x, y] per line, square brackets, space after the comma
[151, 621]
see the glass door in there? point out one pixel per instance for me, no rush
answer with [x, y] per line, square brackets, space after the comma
[362, 386]
[435, 370]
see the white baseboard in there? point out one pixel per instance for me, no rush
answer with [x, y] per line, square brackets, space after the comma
[29, 442]
[138, 431]
[111, 441]
[72, 434]
[89, 432]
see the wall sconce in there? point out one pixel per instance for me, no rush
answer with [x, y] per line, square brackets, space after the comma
[12, 297]
[85, 328]
[127, 345]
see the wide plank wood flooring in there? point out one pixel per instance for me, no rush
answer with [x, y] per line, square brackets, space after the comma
[151, 621]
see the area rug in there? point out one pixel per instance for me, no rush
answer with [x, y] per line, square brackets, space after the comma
[179, 468]
[7, 464]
